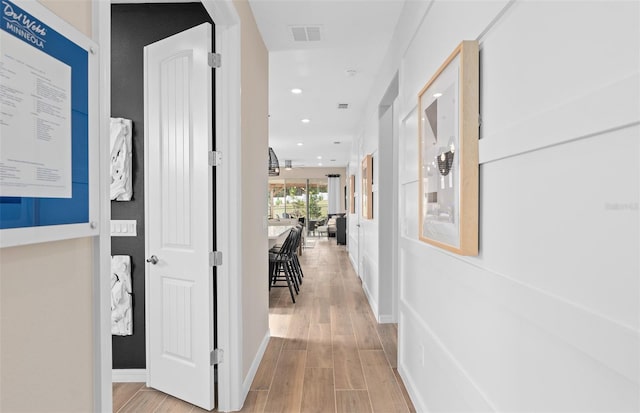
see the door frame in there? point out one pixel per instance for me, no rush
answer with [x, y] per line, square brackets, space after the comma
[227, 132]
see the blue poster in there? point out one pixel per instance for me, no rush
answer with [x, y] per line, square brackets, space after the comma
[44, 121]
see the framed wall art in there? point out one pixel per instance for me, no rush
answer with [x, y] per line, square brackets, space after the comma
[49, 185]
[366, 188]
[448, 153]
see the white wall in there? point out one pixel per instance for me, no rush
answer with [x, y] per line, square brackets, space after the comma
[364, 250]
[255, 127]
[372, 254]
[546, 318]
[46, 308]
[384, 203]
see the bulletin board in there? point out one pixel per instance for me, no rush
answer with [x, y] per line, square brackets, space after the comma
[48, 127]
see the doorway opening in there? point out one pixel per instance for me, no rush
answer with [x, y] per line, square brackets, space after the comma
[227, 41]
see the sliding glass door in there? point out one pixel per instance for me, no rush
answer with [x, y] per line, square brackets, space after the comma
[296, 198]
[299, 198]
[276, 198]
[318, 204]
[288, 199]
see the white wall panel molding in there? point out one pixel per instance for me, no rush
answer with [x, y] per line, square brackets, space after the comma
[417, 248]
[408, 152]
[432, 368]
[502, 14]
[577, 119]
[566, 222]
[520, 321]
[592, 333]
[439, 34]
[545, 319]
[406, 368]
[408, 224]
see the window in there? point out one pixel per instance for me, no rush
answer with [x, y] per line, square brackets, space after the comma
[298, 198]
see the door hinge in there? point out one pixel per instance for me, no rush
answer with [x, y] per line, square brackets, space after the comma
[215, 60]
[215, 158]
[216, 356]
[215, 258]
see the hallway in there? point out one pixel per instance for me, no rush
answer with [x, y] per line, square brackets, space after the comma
[326, 353]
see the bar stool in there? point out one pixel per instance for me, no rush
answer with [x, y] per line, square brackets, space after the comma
[282, 265]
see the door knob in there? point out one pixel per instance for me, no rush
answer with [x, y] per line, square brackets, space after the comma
[153, 259]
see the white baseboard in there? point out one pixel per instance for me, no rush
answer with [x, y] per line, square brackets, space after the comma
[246, 385]
[387, 319]
[129, 375]
[353, 263]
[372, 303]
[380, 318]
[412, 389]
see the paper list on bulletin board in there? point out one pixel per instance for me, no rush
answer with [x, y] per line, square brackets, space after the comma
[35, 122]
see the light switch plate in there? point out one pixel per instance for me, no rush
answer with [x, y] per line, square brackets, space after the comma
[123, 228]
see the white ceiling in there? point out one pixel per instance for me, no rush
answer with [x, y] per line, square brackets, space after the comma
[355, 35]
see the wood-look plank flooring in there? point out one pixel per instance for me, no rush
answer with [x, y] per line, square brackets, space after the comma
[326, 353]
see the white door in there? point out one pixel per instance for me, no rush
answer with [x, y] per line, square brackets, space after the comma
[179, 216]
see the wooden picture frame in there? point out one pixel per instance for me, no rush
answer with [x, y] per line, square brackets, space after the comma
[352, 194]
[448, 110]
[367, 187]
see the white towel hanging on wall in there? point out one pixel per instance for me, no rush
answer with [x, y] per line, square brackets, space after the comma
[120, 137]
[121, 299]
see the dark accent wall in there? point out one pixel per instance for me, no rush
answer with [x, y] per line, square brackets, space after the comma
[134, 26]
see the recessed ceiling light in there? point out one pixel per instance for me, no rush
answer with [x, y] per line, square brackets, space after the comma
[296, 91]
[319, 157]
[320, 164]
[437, 95]
[300, 143]
[305, 120]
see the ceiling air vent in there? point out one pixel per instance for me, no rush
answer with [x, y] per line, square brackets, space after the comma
[306, 33]
[343, 106]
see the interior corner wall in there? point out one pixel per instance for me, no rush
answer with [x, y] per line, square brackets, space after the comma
[364, 248]
[134, 26]
[370, 237]
[254, 154]
[385, 185]
[546, 318]
[44, 289]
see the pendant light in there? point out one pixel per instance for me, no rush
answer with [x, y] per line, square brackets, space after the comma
[274, 165]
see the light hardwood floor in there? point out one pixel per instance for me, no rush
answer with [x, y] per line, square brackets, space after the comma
[326, 353]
